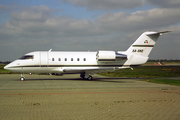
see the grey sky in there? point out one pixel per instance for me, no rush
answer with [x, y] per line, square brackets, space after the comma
[27, 28]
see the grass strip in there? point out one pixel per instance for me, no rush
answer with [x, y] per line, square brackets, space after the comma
[146, 72]
[164, 81]
[3, 71]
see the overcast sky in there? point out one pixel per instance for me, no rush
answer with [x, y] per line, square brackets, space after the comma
[86, 25]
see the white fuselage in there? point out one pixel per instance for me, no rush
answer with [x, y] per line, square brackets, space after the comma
[64, 62]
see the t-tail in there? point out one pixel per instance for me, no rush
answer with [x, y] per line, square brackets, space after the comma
[139, 51]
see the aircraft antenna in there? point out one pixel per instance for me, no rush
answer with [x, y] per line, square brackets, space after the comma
[50, 50]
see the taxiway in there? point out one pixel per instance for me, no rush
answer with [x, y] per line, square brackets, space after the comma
[69, 97]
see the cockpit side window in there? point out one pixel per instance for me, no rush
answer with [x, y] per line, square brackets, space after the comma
[26, 57]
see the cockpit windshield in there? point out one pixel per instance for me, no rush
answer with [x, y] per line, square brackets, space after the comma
[26, 57]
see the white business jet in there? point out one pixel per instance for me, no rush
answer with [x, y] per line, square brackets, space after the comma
[86, 63]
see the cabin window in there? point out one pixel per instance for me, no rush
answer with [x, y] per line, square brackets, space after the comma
[52, 59]
[77, 59]
[65, 59]
[59, 59]
[71, 59]
[26, 57]
[84, 59]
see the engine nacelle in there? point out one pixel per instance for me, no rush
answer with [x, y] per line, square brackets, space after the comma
[106, 56]
[109, 56]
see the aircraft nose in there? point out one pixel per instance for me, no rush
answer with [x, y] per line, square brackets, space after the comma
[6, 67]
[12, 66]
[9, 66]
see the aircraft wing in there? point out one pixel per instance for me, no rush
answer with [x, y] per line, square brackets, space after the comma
[91, 70]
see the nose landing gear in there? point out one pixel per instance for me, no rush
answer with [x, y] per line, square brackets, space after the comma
[22, 77]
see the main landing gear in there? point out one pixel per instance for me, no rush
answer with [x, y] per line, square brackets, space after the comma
[86, 76]
[22, 77]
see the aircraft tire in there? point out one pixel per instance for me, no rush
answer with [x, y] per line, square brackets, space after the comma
[22, 79]
[89, 78]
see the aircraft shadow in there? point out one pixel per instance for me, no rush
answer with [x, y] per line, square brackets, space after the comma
[104, 79]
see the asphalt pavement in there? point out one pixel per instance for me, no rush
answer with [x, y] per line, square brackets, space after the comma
[45, 97]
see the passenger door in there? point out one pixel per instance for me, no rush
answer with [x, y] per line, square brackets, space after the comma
[44, 56]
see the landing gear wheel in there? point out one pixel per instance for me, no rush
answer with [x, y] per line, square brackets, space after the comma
[22, 79]
[82, 76]
[89, 78]
[86, 77]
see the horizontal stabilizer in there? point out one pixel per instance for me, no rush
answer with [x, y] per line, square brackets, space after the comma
[156, 33]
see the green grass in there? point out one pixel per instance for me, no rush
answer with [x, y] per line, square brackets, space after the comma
[165, 81]
[3, 71]
[146, 72]
[150, 72]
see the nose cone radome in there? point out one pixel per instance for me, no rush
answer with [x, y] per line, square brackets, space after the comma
[10, 66]
[6, 67]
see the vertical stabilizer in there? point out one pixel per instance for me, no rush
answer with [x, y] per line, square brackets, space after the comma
[145, 43]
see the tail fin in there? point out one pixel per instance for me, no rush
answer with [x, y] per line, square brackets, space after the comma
[145, 43]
